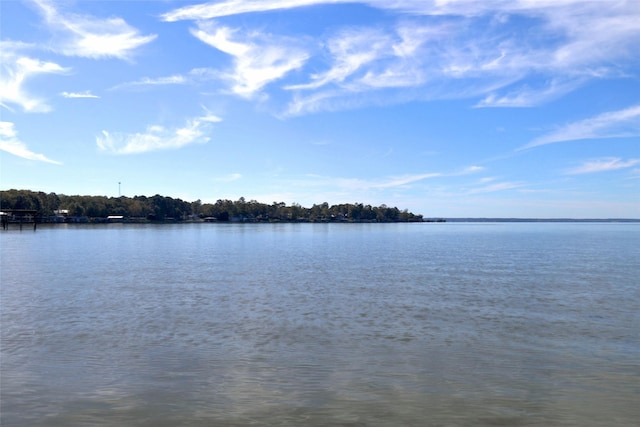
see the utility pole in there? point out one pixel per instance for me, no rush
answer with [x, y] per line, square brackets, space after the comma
[119, 193]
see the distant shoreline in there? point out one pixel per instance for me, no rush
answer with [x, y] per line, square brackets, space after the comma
[542, 219]
[29, 206]
[142, 221]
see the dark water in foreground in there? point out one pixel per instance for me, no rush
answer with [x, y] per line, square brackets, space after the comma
[321, 324]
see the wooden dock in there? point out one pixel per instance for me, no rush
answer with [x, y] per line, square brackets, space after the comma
[19, 217]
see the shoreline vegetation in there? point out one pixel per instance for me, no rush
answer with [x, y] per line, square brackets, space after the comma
[19, 206]
[60, 208]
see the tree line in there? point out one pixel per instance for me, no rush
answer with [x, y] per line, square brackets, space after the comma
[50, 206]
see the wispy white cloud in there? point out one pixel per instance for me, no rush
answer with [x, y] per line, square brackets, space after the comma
[499, 186]
[330, 100]
[487, 179]
[363, 185]
[12, 46]
[234, 7]
[470, 169]
[175, 79]
[10, 143]
[603, 165]
[90, 37]
[229, 178]
[363, 61]
[472, 50]
[614, 124]
[156, 137]
[85, 94]
[527, 96]
[259, 58]
[421, 60]
[351, 50]
[210, 10]
[404, 180]
[16, 69]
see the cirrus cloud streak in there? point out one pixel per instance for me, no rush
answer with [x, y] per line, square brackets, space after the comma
[513, 53]
[10, 143]
[614, 124]
[156, 137]
[90, 37]
[16, 69]
[603, 165]
[258, 58]
[85, 94]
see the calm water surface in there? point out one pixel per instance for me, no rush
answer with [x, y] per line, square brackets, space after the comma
[454, 324]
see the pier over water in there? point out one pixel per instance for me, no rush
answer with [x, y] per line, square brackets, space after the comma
[18, 216]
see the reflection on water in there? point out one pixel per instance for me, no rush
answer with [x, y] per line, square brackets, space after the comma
[321, 324]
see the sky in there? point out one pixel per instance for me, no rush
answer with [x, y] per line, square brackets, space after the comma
[496, 108]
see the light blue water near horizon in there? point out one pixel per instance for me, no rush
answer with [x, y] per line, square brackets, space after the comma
[450, 324]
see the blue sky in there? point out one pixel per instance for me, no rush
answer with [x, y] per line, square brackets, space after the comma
[505, 108]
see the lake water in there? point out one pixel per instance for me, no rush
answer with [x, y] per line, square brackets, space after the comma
[454, 324]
